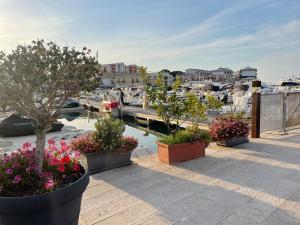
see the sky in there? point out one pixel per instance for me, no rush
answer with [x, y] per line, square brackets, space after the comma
[165, 34]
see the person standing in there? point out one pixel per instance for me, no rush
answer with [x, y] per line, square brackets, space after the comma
[122, 96]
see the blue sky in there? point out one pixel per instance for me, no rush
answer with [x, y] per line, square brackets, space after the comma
[173, 34]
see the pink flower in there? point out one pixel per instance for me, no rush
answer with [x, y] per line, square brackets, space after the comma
[51, 142]
[49, 184]
[9, 171]
[76, 154]
[53, 162]
[62, 142]
[17, 179]
[5, 160]
[26, 145]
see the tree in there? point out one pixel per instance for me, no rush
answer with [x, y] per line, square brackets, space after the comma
[166, 105]
[38, 78]
[173, 109]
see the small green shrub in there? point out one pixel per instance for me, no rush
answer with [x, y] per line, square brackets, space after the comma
[198, 134]
[109, 133]
[191, 134]
[177, 138]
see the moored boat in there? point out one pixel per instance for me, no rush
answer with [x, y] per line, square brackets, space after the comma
[15, 125]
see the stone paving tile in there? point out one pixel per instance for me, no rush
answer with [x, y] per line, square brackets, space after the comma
[254, 183]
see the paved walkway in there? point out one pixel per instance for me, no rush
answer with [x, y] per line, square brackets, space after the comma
[255, 183]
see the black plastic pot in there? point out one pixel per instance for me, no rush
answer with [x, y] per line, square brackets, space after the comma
[233, 141]
[100, 161]
[60, 207]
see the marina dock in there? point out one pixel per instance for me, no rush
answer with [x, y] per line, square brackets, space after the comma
[144, 116]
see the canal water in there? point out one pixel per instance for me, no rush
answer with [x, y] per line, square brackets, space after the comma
[76, 124]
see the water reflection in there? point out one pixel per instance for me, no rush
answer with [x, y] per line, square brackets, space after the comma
[86, 120]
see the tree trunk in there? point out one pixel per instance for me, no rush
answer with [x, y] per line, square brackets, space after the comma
[40, 147]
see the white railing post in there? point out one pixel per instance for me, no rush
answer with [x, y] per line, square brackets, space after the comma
[283, 119]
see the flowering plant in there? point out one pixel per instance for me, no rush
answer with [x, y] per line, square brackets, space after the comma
[19, 174]
[226, 127]
[85, 144]
[128, 144]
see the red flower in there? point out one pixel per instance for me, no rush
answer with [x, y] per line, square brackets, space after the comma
[61, 168]
[76, 167]
[66, 159]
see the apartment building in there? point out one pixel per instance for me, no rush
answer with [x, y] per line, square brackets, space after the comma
[168, 78]
[121, 68]
[222, 74]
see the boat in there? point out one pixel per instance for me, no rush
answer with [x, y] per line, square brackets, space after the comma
[290, 83]
[71, 105]
[15, 125]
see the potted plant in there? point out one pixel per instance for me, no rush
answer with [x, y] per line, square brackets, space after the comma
[229, 130]
[36, 80]
[184, 145]
[179, 145]
[106, 148]
[28, 197]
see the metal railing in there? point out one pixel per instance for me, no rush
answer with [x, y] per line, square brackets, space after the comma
[293, 109]
[279, 111]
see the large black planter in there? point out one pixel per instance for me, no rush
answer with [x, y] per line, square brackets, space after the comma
[100, 161]
[60, 207]
[233, 141]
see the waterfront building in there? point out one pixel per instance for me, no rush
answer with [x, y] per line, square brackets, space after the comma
[168, 78]
[246, 74]
[121, 68]
[121, 75]
[219, 75]
[222, 75]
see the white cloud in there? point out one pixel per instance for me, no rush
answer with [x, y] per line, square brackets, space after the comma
[19, 25]
[177, 51]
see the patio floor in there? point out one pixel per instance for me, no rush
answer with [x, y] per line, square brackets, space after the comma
[254, 183]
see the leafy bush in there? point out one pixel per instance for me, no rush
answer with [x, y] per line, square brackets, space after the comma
[85, 144]
[20, 177]
[109, 133]
[213, 103]
[128, 144]
[189, 135]
[198, 134]
[226, 127]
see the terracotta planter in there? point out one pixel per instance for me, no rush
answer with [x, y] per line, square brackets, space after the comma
[100, 161]
[233, 141]
[170, 154]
